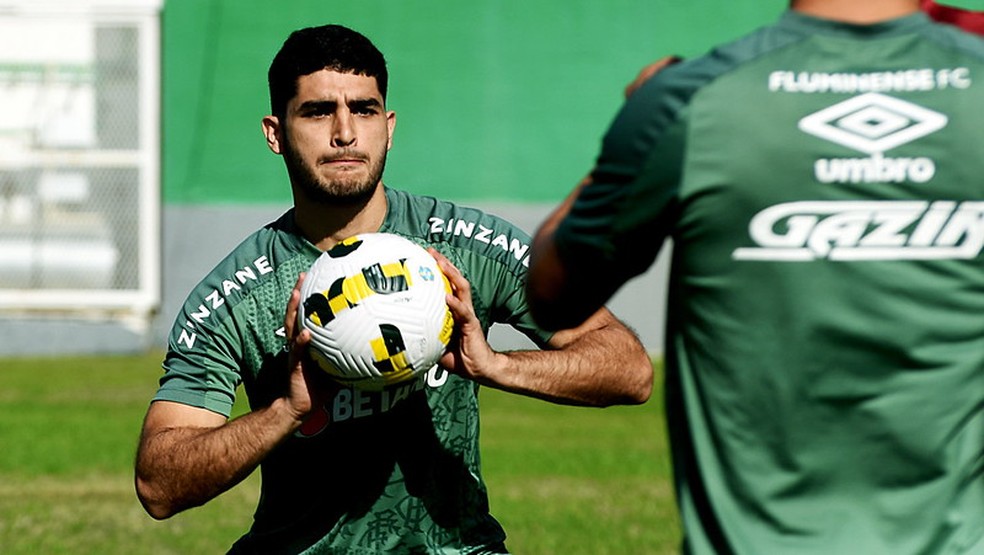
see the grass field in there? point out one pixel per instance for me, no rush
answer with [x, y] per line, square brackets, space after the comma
[563, 480]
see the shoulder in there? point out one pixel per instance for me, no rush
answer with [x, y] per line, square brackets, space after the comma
[957, 40]
[669, 92]
[448, 227]
[272, 256]
[664, 101]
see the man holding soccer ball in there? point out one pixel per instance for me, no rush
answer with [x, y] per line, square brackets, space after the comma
[346, 470]
[823, 186]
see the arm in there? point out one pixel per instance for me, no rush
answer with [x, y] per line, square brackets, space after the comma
[558, 295]
[598, 363]
[548, 277]
[555, 301]
[188, 455]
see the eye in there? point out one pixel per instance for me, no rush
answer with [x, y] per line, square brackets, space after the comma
[368, 108]
[318, 110]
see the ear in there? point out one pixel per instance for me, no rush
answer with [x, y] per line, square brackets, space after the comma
[272, 131]
[390, 127]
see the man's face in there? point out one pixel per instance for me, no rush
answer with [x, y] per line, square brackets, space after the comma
[334, 136]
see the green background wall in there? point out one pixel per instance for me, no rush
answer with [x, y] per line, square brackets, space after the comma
[496, 99]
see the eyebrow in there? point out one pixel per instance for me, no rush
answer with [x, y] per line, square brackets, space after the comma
[330, 105]
[365, 103]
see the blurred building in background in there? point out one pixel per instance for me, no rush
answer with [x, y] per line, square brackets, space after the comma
[79, 172]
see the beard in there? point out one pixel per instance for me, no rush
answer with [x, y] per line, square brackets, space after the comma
[342, 190]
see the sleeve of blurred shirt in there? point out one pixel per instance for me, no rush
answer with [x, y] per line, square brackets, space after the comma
[968, 20]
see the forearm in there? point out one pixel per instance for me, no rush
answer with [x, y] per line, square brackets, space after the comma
[554, 300]
[598, 363]
[182, 467]
[607, 366]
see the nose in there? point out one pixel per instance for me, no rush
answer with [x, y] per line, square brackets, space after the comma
[343, 132]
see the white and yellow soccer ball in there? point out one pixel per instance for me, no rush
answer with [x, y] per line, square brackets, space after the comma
[375, 305]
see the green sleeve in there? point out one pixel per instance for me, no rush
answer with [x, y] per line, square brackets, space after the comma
[200, 367]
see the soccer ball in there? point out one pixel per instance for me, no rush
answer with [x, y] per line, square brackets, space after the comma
[375, 306]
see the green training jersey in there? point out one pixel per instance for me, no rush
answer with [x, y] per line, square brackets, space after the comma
[823, 187]
[393, 471]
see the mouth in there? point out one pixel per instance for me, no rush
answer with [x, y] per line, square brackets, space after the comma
[345, 166]
[346, 159]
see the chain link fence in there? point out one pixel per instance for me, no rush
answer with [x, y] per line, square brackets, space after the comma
[79, 157]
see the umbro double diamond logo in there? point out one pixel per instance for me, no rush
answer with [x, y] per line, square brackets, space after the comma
[873, 123]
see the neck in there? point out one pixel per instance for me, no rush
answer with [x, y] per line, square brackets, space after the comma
[325, 225]
[860, 12]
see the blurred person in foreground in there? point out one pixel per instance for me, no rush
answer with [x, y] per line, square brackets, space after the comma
[823, 186]
[344, 470]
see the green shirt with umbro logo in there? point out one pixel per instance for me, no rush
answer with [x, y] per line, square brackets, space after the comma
[823, 188]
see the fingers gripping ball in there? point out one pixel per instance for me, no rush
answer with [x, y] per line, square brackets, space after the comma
[375, 306]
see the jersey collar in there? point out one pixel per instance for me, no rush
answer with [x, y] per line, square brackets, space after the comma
[803, 23]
